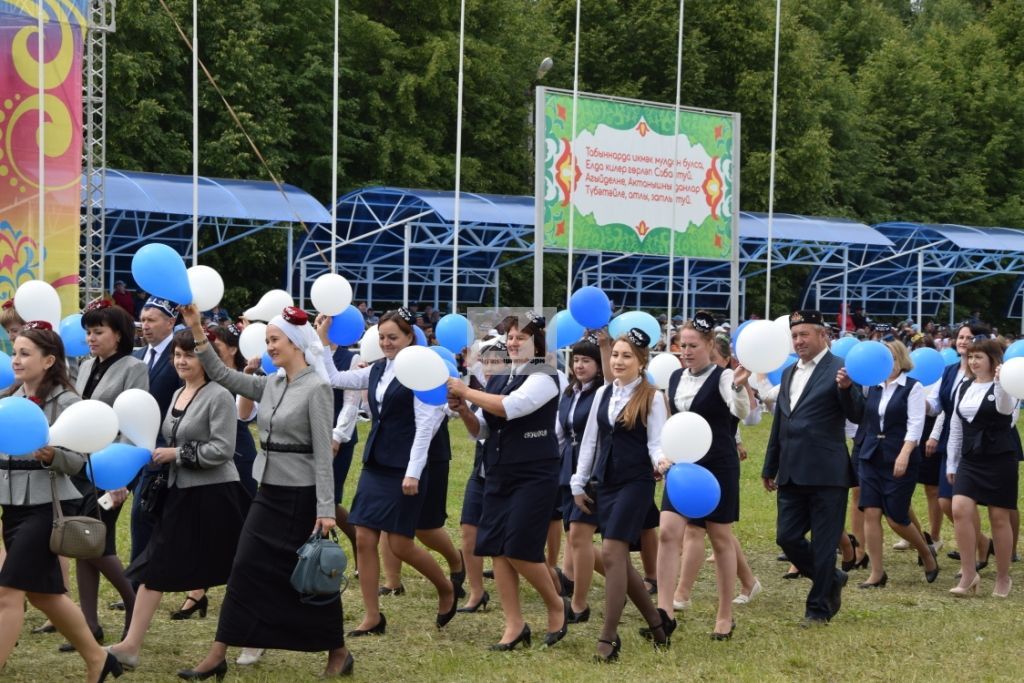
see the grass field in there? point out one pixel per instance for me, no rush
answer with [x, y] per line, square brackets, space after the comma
[910, 631]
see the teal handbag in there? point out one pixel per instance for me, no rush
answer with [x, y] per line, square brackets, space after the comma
[320, 572]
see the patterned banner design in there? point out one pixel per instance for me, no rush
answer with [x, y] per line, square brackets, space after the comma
[624, 154]
[64, 29]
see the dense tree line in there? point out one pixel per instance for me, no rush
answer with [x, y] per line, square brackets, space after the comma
[889, 109]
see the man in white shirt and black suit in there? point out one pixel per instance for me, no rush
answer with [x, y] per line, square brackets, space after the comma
[808, 464]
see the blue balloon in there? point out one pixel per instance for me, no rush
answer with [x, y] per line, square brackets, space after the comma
[421, 339]
[116, 465]
[950, 356]
[23, 426]
[447, 355]
[347, 327]
[928, 365]
[6, 371]
[775, 376]
[736, 334]
[869, 363]
[439, 395]
[841, 347]
[622, 324]
[267, 364]
[590, 307]
[73, 335]
[454, 332]
[159, 270]
[1014, 350]
[567, 330]
[693, 490]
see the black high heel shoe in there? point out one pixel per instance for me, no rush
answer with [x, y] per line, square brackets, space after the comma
[566, 586]
[386, 590]
[523, 637]
[481, 604]
[667, 626]
[552, 637]
[377, 630]
[879, 584]
[220, 671]
[580, 617]
[68, 647]
[611, 656]
[459, 578]
[111, 667]
[930, 576]
[200, 605]
[847, 565]
[45, 628]
[347, 669]
[443, 619]
[792, 575]
[715, 635]
[978, 566]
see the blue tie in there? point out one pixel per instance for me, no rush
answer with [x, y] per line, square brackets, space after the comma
[152, 358]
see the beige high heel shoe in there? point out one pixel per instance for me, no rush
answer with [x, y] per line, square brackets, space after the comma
[963, 592]
[1009, 587]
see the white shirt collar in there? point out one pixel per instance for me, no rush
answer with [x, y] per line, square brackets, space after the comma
[619, 389]
[901, 380]
[159, 348]
[814, 361]
[580, 388]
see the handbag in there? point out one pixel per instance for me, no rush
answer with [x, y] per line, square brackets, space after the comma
[152, 495]
[79, 537]
[320, 571]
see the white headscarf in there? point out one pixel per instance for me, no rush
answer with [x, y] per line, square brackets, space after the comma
[306, 339]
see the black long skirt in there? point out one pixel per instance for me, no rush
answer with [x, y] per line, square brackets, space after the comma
[518, 500]
[261, 609]
[194, 538]
[30, 566]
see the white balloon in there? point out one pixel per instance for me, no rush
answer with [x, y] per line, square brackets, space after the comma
[331, 294]
[139, 415]
[783, 323]
[207, 287]
[661, 368]
[686, 437]
[1011, 377]
[369, 346]
[270, 304]
[86, 427]
[763, 346]
[253, 340]
[38, 300]
[420, 368]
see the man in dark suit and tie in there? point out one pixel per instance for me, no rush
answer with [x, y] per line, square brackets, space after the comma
[808, 464]
[157, 317]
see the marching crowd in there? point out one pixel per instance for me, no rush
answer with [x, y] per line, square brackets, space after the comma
[576, 453]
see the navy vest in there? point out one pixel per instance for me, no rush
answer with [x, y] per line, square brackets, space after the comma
[947, 389]
[525, 439]
[888, 442]
[572, 427]
[343, 361]
[708, 404]
[622, 454]
[394, 425]
[991, 435]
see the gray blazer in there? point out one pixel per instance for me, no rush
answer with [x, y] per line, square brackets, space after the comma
[205, 438]
[297, 415]
[126, 373]
[32, 487]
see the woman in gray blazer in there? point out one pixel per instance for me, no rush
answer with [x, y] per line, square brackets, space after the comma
[110, 333]
[25, 493]
[295, 499]
[198, 524]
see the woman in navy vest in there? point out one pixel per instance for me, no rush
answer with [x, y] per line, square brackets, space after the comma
[719, 395]
[940, 404]
[620, 451]
[517, 419]
[573, 410]
[393, 484]
[982, 461]
[494, 361]
[887, 463]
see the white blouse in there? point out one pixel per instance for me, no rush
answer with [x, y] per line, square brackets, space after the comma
[916, 403]
[969, 406]
[428, 418]
[656, 418]
[535, 393]
[559, 430]
[690, 384]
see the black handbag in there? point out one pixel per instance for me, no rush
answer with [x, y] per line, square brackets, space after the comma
[153, 494]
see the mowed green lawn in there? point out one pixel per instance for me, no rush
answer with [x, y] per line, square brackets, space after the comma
[907, 631]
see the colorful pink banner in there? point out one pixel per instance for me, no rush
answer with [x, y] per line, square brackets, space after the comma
[21, 231]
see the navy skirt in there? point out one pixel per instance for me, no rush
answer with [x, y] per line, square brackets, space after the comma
[342, 464]
[945, 488]
[880, 489]
[518, 500]
[435, 505]
[624, 508]
[571, 512]
[928, 471]
[472, 500]
[991, 481]
[380, 504]
[30, 566]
